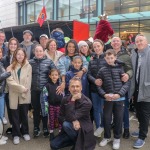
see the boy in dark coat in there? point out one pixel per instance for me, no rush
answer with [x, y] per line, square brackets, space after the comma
[113, 90]
[77, 128]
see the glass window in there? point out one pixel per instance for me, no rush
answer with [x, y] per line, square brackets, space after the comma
[75, 8]
[111, 5]
[20, 12]
[30, 13]
[63, 10]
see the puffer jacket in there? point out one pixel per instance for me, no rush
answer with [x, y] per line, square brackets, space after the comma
[111, 77]
[40, 71]
[3, 76]
[94, 66]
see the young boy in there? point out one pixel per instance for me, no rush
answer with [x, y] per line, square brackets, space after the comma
[77, 63]
[113, 90]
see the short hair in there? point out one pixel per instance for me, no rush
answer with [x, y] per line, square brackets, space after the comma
[2, 32]
[97, 40]
[77, 57]
[141, 36]
[53, 70]
[116, 37]
[110, 52]
[75, 78]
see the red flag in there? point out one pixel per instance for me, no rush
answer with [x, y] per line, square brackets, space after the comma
[42, 16]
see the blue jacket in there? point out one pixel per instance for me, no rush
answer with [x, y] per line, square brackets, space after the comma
[85, 85]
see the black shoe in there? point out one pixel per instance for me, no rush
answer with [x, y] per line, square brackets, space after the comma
[126, 134]
[45, 133]
[51, 136]
[9, 131]
[36, 132]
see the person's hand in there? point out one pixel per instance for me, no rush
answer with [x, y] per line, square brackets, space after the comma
[25, 90]
[60, 89]
[98, 82]
[8, 69]
[79, 74]
[76, 125]
[125, 77]
[76, 96]
[115, 96]
[108, 97]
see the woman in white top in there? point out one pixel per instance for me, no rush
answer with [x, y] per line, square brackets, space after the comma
[51, 51]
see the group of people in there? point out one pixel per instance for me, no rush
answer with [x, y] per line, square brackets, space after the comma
[70, 89]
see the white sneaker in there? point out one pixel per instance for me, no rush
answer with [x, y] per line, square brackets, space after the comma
[99, 131]
[26, 137]
[4, 138]
[104, 142]
[4, 121]
[16, 140]
[2, 142]
[116, 144]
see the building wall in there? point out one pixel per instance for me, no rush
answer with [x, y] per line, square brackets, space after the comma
[8, 13]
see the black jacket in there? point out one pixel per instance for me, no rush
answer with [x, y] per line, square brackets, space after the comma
[6, 61]
[53, 98]
[94, 66]
[111, 77]
[40, 71]
[3, 76]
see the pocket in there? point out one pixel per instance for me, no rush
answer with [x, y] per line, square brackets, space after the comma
[146, 89]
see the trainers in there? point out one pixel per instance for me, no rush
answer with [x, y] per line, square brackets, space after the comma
[135, 134]
[45, 133]
[104, 142]
[139, 143]
[4, 121]
[9, 131]
[98, 131]
[26, 137]
[126, 134]
[116, 144]
[4, 138]
[2, 142]
[36, 132]
[16, 140]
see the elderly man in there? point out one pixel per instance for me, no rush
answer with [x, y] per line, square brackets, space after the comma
[2, 45]
[140, 86]
[124, 57]
[43, 40]
[77, 128]
[27, 44]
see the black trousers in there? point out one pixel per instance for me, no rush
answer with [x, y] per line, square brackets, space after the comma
[20, 117]
[35, 100]
[8, 108]
[115, 108]
[143, 113]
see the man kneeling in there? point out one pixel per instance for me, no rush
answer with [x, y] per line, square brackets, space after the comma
[77, 128]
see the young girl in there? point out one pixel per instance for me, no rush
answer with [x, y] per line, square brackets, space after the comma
[54, 100]
[19, 84]
[3, 76]
[41, 67]
[77, 63]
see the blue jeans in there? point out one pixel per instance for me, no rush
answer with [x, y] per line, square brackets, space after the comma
[98, 105]
[126, 113]
[67, 137]
[2, 105]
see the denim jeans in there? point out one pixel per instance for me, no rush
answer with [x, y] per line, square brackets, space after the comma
[2, 105]
[98, 105]
[126, 113]
[66, 138]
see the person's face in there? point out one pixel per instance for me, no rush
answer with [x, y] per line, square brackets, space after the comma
[75, 87]
[2, 38]
[1, 54]
[12, 46]
[39, 52]
[98, 48]
[116, 43]
[52, 46]
[110, 59]
[20, 56]
[54, 76]
[141, 42]
[84, 49]
[77, 63]
[71, 49]
[43, 41]
[27, 37]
